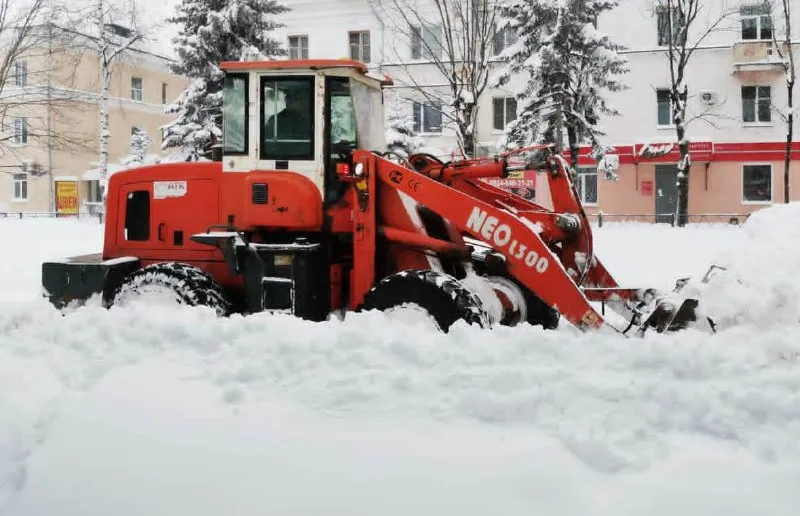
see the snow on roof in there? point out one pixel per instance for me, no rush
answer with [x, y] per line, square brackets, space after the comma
[65, 178]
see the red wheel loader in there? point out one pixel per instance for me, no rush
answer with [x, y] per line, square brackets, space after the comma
[304, 212]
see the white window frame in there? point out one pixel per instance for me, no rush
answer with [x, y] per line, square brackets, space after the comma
[363, 51]
[426, 52]
[20, 73]
[19, 126]
[757, 121]
[502, 39]
[759, 18]
[580, 179]
[771, 183]
[297, 45]
[421, 106]
[137, 93]
[20, 183]
[506, 121]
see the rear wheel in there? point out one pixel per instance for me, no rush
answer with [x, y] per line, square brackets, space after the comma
[439, 296]
[172, 283]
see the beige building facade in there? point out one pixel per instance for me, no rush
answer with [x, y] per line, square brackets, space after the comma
[50, 108]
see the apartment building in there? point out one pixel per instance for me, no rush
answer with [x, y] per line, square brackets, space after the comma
[50, 126]
[735, 79]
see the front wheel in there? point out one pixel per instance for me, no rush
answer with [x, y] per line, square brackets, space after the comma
[172, 283]
[440, 296]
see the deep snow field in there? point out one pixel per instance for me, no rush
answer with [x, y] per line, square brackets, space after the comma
[148, 411]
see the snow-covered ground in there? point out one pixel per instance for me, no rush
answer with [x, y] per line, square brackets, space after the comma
[153, 411]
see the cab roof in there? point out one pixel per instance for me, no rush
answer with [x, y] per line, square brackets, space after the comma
[297, 64]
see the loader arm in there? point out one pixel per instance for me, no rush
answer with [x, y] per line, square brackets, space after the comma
[528, 258]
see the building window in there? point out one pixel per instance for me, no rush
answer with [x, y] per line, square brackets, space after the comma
[664, 107]
[359, 46]
[20, 73]
[136, 89]
[663, 23]
[20, 187]
[502, 39]
[20, 131]
[426, 42]
[298, 47]
[757, 183]
[756, 22]
[93, 191]
[756, 104]
[504, 110]
[163, 92]
[428, 117]
[586, 184]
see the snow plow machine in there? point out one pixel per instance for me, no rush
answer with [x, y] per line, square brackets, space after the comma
[295, 214]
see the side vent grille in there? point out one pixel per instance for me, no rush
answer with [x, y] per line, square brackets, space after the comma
[260, 193]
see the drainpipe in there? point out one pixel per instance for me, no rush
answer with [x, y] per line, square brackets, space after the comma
[383, 33]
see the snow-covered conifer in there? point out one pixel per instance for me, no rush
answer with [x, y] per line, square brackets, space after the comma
[400, 135]
[140, 145]
[567, 64]
[212, 31]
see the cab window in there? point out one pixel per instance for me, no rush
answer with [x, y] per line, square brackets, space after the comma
[234, 114]
[343, 114]
[287, 130]
[137, 216]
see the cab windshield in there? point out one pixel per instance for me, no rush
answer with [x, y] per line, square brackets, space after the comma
[287, 132]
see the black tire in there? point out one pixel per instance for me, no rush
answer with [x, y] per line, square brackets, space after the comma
[539, 314]
[191, 285]
[441, 295]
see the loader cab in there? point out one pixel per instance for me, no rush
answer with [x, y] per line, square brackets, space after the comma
[301, 116]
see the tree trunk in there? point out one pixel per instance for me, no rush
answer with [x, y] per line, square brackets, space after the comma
[681, 215]
[682, 203]
[105, 134]
[467, 133]
[787, 161]
[574, 146]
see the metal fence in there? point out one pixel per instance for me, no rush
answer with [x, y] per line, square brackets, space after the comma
[692, 219]
[49, 215]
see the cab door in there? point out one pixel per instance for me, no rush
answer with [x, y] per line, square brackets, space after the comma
[159, 217]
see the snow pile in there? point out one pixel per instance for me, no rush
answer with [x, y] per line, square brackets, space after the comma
[148, 410]
[151, 400]
[761, 283]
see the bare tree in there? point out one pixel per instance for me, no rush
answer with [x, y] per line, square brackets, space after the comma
[786, 55]
[112, 28]
[686, 27]
[32, 51]
[456, 37]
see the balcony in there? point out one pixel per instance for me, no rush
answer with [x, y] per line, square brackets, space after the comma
[758, 56]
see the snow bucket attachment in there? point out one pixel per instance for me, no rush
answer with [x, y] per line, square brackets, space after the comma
[548, 252]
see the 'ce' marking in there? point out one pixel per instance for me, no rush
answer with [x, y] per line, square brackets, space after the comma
[414, 185]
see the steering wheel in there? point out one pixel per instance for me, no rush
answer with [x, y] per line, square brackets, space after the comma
[343, 148]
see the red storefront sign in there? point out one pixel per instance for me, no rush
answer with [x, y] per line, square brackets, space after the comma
[668, 152]
[646, 188]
